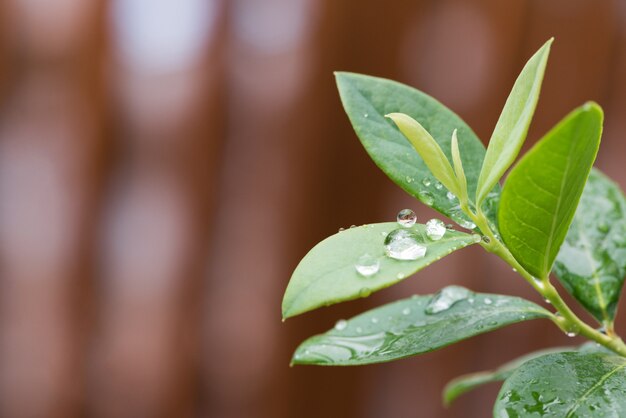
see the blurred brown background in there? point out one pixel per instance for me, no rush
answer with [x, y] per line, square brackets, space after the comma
[164, 165]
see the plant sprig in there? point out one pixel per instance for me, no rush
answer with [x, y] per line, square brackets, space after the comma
[534, 223]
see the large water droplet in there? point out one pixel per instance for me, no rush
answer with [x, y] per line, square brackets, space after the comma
[450, 196]
[435, 229]
[426, 182]
[446, 298]
[403, 244]
[367, 265]
[406, 311]
[426, 198]
[341, 325]
[438, 186]
[366, 115]
[488, 301]
[406, 218]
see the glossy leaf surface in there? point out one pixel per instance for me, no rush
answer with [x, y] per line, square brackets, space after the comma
[541, 194]
[565, 385]
[512, 126]
[413, 326]
[367, 100]
[592, 261]
[327, 274]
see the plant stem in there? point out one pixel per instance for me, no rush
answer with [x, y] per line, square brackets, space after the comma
[565, 319]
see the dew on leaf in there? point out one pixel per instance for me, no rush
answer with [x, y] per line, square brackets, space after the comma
[402, 244]
[435, 229]
[367, 265]
[446, 298]
[406, 218]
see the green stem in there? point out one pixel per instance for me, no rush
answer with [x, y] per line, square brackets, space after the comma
[566, 320]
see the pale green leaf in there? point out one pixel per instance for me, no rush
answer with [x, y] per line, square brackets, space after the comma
[512, 126]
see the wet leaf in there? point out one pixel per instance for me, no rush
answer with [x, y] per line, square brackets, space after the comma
[367, 100]
[565, 385]
[414, 326]
[471, 381]
[591, 263]
[327, 274]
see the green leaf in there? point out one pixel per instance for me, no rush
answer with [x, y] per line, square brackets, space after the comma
[471, 381]
[542, 191]
[512, 126]
[592, 261]
[327, 274]
[428, 149]
[458, 167]
[413, 326]
[565, 385]
[368, 99]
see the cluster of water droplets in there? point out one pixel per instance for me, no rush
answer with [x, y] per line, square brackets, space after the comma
[405, 243]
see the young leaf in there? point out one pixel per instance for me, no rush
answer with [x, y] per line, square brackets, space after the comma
[327, 274]
[458, 167]
[512, 126]
[592, 261]
[542, 191]
[414, 326]
[468, 382]
[367, 99]
[428, 149]
[566, 385]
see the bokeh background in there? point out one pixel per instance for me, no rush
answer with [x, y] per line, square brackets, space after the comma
[164, 165]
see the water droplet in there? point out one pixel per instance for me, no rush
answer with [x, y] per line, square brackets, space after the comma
[487, 301]
[367, 265]
[352, 226]
[435, 229]
[341, 325]
[406, 218]
[342, 229]
[400, 275]
[383, 234]
[374, 320]
[426, 182]
[570, 334]
[409, 179]
[446, 298]
[426, 198]
[365, 292]
[406, 311]
[450, 196]
[403, 244]
[514, 270]
[438, 186]
[476, 238]
[366, 115]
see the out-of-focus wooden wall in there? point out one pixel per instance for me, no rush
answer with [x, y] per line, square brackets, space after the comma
[164, 165]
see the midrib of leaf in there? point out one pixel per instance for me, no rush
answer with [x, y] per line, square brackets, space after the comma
[596, 279]
[591, 389]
